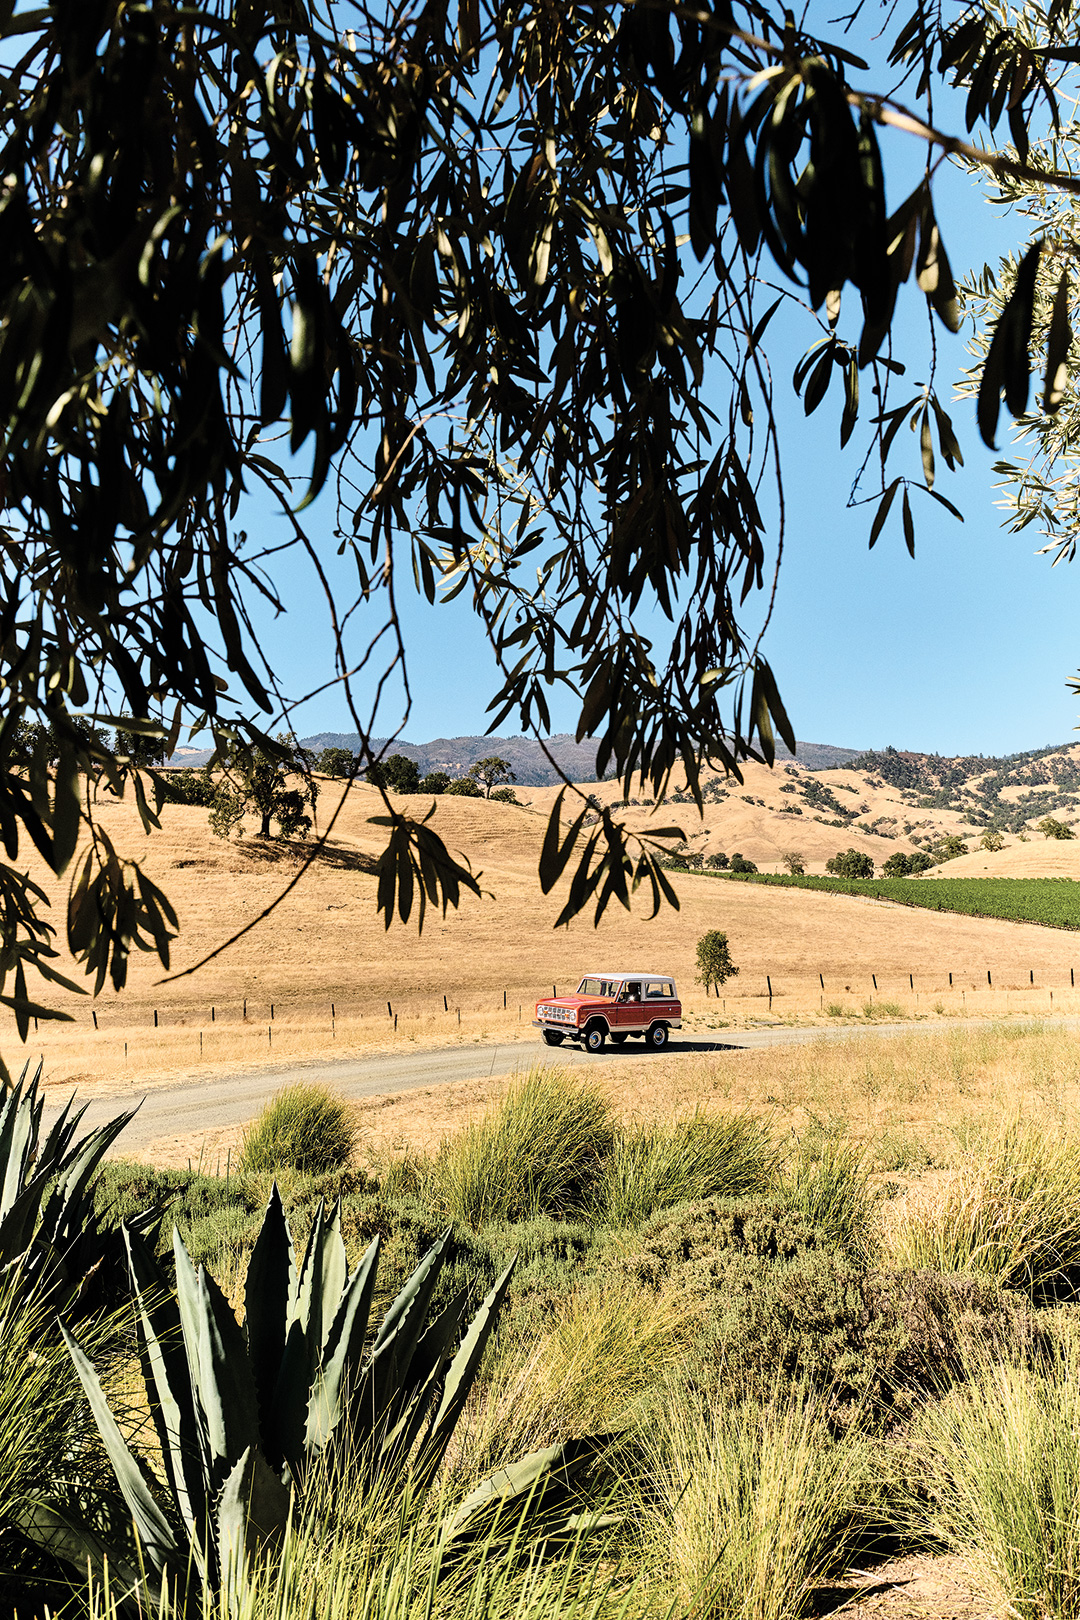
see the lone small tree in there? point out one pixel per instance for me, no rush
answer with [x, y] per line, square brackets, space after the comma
[715, 966]
[992, 840]
[491, 773]
[794, 862]
[739, 863]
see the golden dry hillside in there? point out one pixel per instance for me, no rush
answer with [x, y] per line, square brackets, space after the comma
[323, 945]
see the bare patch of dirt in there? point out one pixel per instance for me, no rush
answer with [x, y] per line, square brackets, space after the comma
[930, 1587]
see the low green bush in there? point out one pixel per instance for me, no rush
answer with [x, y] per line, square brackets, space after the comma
[305, 1127]
[125, 1186]
[869, 1341]
[654, 1167]
[539, 1151]
[692, 1246]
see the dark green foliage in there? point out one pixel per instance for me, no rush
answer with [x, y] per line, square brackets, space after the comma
[900, 864]
[435, 782]
[464, 787]
[189, 786]
[336, 762]
[398, 773]
[820, 797]
[948, 848]
[714, 963]
[719, 860]
[851, 863]
[739, 863]
[304, 1128]
[1050, 901]
[491, 773]
[256, 780]
[897, 865]
[1051, 828]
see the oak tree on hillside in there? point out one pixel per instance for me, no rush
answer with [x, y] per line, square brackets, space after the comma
[500, 284]
[491, 773]
[399, 773]
[270, 785]
[851, 863]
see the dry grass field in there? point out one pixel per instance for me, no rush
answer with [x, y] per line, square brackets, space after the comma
[315, 977]
[907, 1099]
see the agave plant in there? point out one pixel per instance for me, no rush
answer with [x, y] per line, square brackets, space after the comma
[241, 1413]
[48, 1225]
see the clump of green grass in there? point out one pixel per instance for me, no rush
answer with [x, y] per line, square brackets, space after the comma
[304, 1128]
[539, 1151]
[599, 1363]
[835, 1010]
[882, 1009]
[49, 1444]
[755, 1501]
[826, 1179]
[1010, 1212]
[999, 1482]
[899, 1148]
[654, 1167]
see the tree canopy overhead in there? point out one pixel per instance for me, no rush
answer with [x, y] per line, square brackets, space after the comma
[500, 277]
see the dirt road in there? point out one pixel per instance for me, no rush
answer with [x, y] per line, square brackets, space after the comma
[216, 1104]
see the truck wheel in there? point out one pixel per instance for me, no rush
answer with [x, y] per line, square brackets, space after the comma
[657, 1037]
[594, 1038]
[553, 1037]
[617, 1040]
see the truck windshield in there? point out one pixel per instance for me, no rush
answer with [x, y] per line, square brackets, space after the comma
[599, 987]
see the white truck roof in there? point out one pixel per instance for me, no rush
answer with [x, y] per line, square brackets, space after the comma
[638, 973]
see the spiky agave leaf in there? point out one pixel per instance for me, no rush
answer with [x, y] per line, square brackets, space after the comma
[241, 1413]
[48, 1224]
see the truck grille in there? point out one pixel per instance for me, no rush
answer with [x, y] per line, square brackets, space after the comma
[558, 1015]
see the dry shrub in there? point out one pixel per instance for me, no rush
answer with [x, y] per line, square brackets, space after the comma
[999, 1474]
[603, 1359]
[826, 1179]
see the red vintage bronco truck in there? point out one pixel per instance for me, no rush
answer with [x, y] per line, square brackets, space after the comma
[612, 1006]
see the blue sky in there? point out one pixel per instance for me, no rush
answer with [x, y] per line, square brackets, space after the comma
[966, 649]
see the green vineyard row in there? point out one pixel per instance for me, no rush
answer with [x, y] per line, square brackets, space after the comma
[1054, 902]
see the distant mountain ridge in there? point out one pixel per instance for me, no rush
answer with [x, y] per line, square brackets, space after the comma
[986, 790]
[578, 760]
